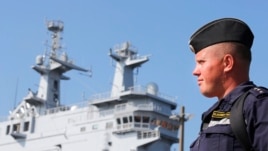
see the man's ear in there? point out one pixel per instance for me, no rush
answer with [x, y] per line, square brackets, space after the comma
[228, 62]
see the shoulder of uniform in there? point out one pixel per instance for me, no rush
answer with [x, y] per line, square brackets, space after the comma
[259, 92]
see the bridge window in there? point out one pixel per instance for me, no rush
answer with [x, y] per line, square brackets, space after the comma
[125, 120]
[145, 119]
[118, 120]
[16, 128]
[137, 119]
[26, 126]
[130, 119]
[8, 130]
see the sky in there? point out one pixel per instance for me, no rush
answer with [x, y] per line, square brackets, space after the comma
[160, 29]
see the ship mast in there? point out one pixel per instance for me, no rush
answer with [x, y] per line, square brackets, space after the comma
[52, 67]
[126, 61]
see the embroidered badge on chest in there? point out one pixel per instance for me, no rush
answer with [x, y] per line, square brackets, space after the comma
[219, 118]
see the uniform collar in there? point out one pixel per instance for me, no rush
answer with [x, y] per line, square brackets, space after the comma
[231, 97]
[238, 91]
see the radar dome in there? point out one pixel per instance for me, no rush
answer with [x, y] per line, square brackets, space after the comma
[39, 60]
[152, 88]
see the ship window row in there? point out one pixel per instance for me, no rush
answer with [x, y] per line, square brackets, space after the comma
[124, 120]
[109, 125]
[16, 128]
[143, 121]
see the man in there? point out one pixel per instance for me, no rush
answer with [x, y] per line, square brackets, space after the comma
[222, 51]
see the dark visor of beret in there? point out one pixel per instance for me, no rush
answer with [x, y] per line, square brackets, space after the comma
[221, 30]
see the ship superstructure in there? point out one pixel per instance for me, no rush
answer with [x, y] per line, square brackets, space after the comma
[128, 118]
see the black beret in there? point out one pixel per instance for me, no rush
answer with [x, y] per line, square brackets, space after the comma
[221, 30]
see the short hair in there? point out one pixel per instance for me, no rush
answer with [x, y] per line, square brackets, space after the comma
[241, 51]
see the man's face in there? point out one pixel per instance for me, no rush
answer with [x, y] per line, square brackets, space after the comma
[209, 71]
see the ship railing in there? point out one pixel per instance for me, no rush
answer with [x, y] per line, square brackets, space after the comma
[139, 57]
[106, 112]
[135, 89]
[131, 106]
[133, 125]
[100, 96]
[147, 107]
[141, 125]
[107, 95]
[66, 108]
[77, 106]
[125, 126]
[142, 89]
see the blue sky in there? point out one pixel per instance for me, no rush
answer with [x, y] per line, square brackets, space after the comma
[159, 28]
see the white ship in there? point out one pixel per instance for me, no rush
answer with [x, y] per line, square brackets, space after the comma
[128, 118]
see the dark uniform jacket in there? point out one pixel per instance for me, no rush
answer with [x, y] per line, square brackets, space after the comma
[216, 133]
